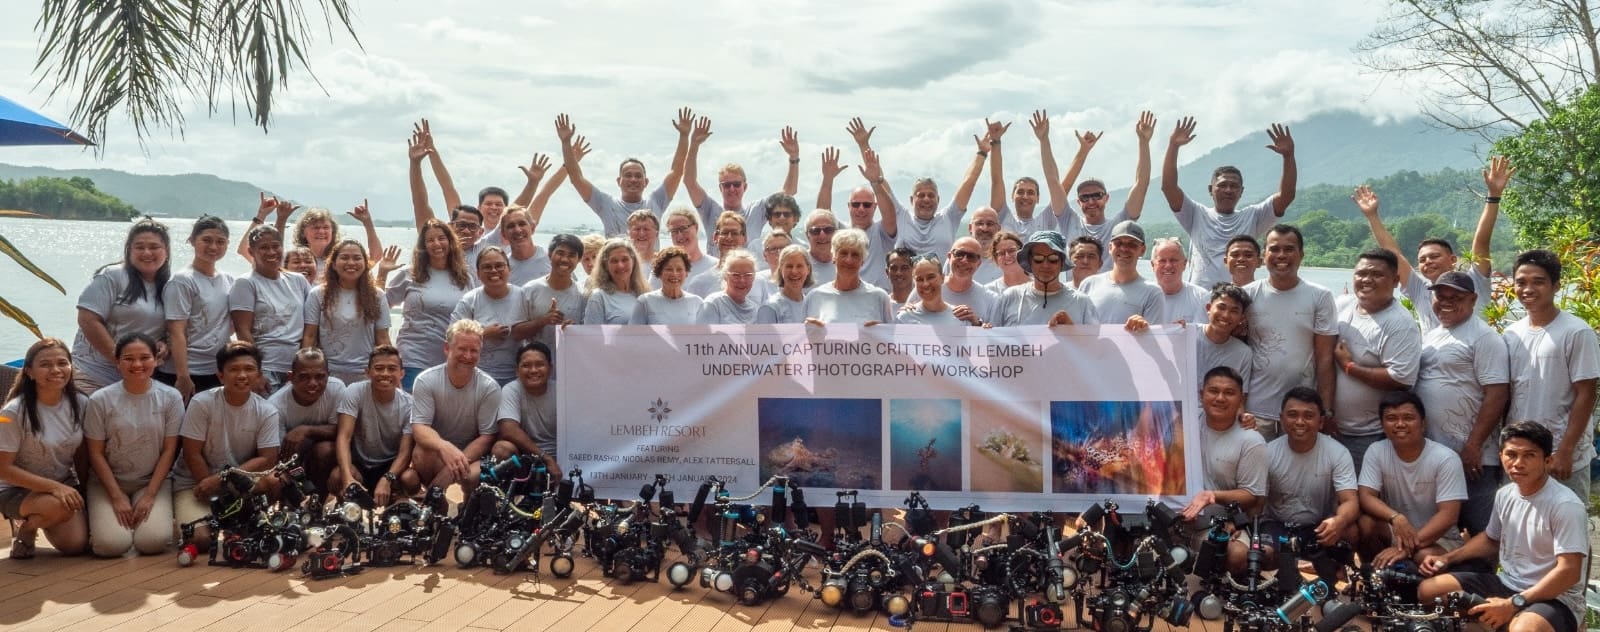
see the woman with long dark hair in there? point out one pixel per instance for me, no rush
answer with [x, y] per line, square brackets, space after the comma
[131, 435]
[41, 435]
[345, 315]
[122, 299]
[196, 305]
[427, 293]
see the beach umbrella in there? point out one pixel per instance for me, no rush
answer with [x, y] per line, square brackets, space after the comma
[22, 126]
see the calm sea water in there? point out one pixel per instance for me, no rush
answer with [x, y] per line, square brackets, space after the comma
[71, 251]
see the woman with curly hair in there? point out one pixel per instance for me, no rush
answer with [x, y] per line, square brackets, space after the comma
[41, 436]
[670, 305]
[345, 315]
[615, 285]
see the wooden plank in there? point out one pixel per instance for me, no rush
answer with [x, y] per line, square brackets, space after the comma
[113, 593]
[23, 607]
[188, 613]
[609, 596]
[249, 617]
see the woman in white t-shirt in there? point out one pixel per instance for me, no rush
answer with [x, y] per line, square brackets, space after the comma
[195, 302]
[122, 299]
[345, 315]
[268, 307]
[614, 285]
[427, 293]
[1003, 251]
[848, 299]
[930, 308]
[670, 305]
[792, 275]
[131, 434]
[502, 310]
[734, 305]
[41, 433]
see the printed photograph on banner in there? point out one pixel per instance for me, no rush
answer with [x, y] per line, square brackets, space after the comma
[1006, 446]
[822, 442]
[925, 444]
[1128, 447]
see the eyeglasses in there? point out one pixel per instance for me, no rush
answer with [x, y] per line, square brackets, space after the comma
[863, 204]
[730, 233]
[965, 254]
[821, 230]
[465, 227]
[1009, 252]
[780, 214]
[731, 184]
[1053, 259]
[1091, 197]
[680, 230]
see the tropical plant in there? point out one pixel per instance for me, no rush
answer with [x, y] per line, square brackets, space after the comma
[145, 56]
[6, 308]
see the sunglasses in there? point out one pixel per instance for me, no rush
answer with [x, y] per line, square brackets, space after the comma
[821, 230]
[863, 204]
[1054, 259]
[965, 254]
[783, 214]
[731, 184]
[1091, 197]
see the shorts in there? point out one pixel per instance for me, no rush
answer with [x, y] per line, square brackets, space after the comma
[371, 474]
[1556, 613]
[11, 502]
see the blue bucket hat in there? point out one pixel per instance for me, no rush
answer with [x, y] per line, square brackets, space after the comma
[1054, 240]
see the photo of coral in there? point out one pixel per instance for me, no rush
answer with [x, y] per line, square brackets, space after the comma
[822, 442]
[1006, 448]
[925, 444]
[1117, 448]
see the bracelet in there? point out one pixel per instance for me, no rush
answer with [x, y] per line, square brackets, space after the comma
[794, 161]
[985, 154]
[994, 141]
[257, 221]
[1493, 199]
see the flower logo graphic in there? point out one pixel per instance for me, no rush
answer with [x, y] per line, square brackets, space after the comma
[659, 410]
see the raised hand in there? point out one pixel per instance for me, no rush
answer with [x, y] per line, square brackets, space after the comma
[580, 148]
[1183, 133]
[790, 141]
[361, 213]
[417, 147]
[1498, 175]
[1282, 142]
[982, 141]
[1040, 124]
[685, 121]
[267, 204]
[286, 208]
[1366, 200]
[860, 132]
[996, 130]
[830, 163]
[536, 169]
[390, 261]
[554, 316]
[1146, 127]
[871, 169]
[1086, 140]
[702, 130]
[564, 128]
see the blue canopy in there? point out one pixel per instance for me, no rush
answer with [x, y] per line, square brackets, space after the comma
[22, 126]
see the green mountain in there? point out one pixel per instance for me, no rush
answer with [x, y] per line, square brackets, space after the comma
[185, 195]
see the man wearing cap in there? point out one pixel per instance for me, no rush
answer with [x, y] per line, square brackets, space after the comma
[1121, 294]
[1210, 228]
[1046, 300]
[1378, 351]
[1464, 381]
[1435, 256]
[1293, 328]
[1182, 301]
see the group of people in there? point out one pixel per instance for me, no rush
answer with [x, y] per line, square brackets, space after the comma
[1390, 423]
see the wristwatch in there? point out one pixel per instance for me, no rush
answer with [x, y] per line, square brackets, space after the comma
[1519, 601]
[391, 476]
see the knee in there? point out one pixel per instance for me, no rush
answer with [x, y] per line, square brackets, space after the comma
[322, 452]
[409, 480]
[1434, 587]
[151, 542]
[1529, 622]
[503, 450]
[112, 542]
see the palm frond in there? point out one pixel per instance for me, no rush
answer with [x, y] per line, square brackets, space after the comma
[14, 313]
[22, 260]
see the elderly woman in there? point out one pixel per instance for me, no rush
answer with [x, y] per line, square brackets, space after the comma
[792, 275]
[931, 309]
[670, 305]
[847, 299]
[615, 285]
[123, 299]
[735, 304]
[41, 435]
[1003, 251]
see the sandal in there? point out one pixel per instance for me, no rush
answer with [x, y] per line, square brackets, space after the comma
[21, 549]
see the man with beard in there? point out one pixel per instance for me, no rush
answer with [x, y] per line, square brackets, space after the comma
[1378, 351]
[731, 182]
[1293, 328]
[1182, 301]
[925, 227]
[1210, 229]
[984, 226]
[631, 180]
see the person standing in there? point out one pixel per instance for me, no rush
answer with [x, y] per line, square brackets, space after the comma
[1293, 329]
[1210, 228]
[1378, 351]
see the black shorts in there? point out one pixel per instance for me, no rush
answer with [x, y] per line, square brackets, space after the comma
[370, 475]
[1556, 613]
[11, 502]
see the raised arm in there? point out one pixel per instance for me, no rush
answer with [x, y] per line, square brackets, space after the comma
[1495, 179]
[374, 244]
[1047, 156]
[691, 160]
[975, 169]
[997, 170]
[1367, 200]
[790, 141]
[569, 158]
[1144, 129]
[262, 211]
[675, 170]
[417, 149]
[1283, 145]
[537, 205]
[873, 172]
[1182, 134]
[1086, 142]
[830, 170]
[447, 186]
[534, 174]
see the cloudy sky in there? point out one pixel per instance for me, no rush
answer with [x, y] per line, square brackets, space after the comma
[492, 74]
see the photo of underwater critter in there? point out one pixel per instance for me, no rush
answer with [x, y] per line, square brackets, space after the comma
[1006, 447]
[925, 444]
[822, 442]
[1117, 448]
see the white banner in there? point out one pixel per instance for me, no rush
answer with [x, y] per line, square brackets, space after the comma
[1017, 419]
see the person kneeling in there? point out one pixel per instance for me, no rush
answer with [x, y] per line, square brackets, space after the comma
[374, 442]
[453, 411]
[1411, 488]
[225, 427]
[528, 410]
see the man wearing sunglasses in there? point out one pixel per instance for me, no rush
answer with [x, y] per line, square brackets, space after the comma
[1046, 300]
[863, 206]
[926, 227]
[969, 300]
[1091, 219]
[1210, 228]
[820, 227]
[731, 181]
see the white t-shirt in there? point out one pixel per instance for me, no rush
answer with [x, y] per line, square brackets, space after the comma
[1303, 488]
[864, 303]
[1283, 330]
[874, 268]
[988, 272]
[779, 309]
[1233, 353]
[1387, 338]
[51, 452]
[755, 216]
[379, 426]
[278, 305]
[1024, 305]
[1416, 288]
[133, 427]
[918, 315]
[614, 212]
[655, 308]
[459, 415]
[322, 412]
[232, 434]
[1415, 489]
[823, 271]
[535, 415]
[935, 235]
[425, 315]
[1235, 458]
[1456, 364]
[524, 271]
[979, 298]
[102, 297]
[499, 356]
[1533, 530]
[570, 301]
[1209, 232]
[1116, 302]
[719, 309]
[609, 308]
[202, 301]
[1544, 364]
[346, 338]
[1188, 304]
[1042, 219]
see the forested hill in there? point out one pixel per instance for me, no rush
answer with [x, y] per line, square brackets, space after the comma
[63, 198]
[185, 195]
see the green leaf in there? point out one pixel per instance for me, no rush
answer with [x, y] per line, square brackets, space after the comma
[22, 260]
[14, 313]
